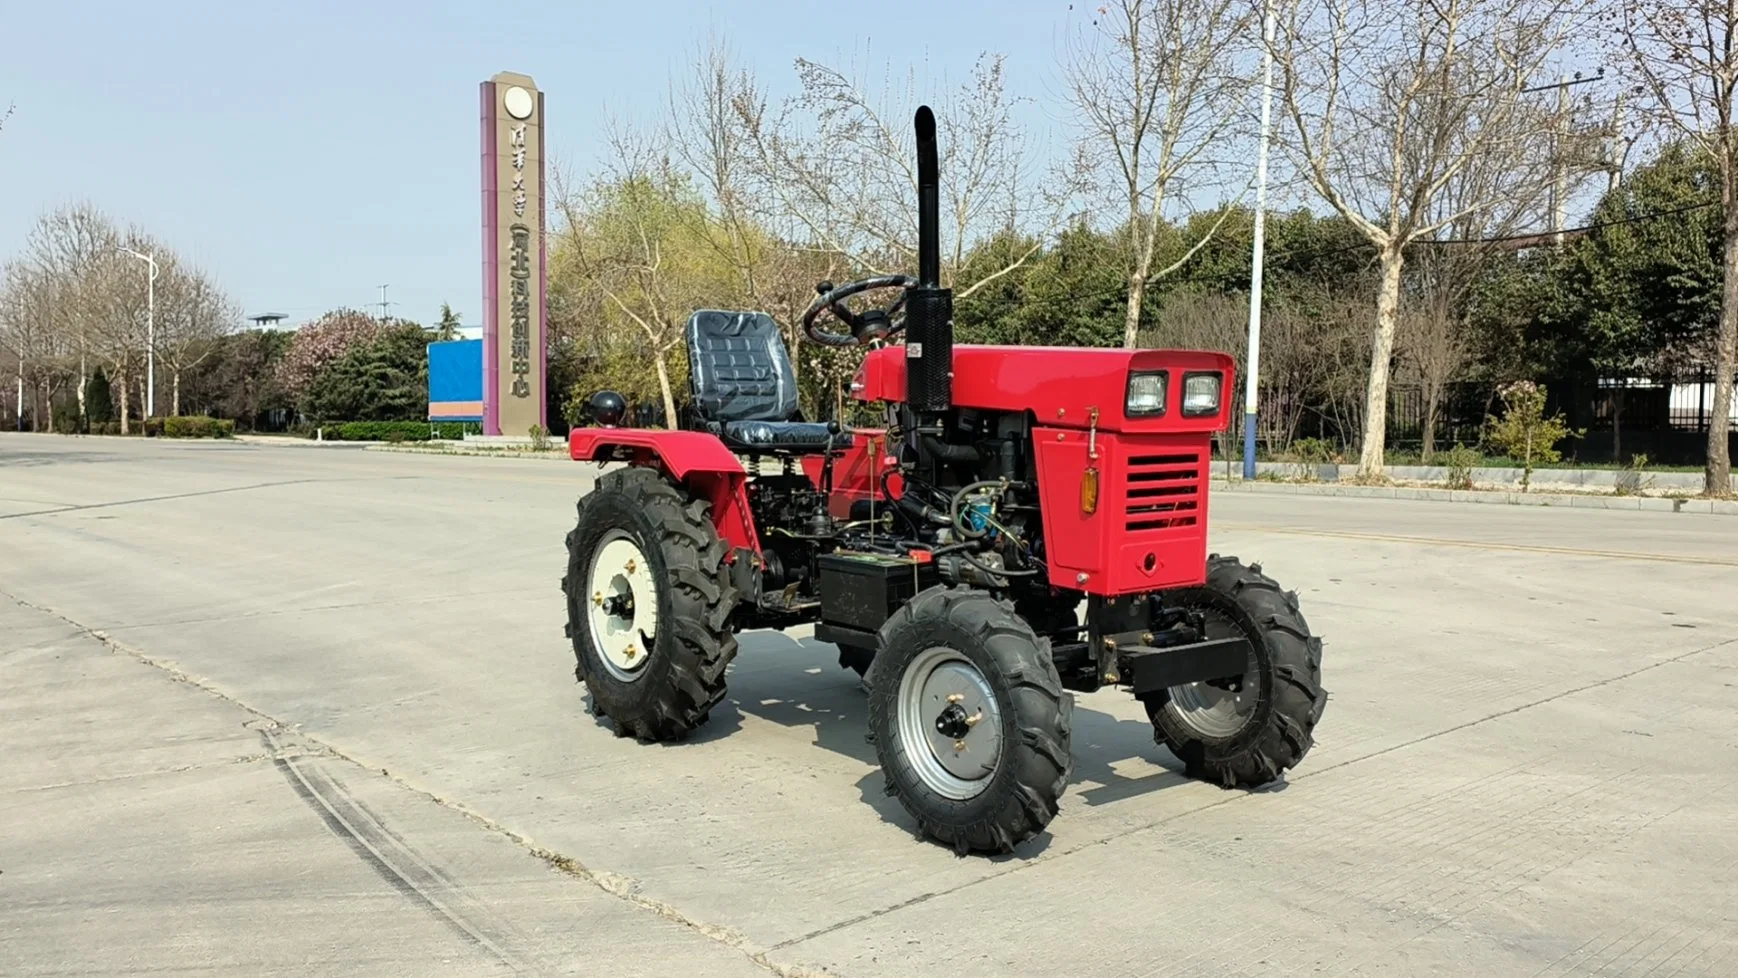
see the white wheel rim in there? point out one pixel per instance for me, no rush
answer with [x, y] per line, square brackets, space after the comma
[621, 601]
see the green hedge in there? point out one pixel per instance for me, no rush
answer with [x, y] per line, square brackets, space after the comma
[188, 426]
[394, 430]
[197, 426]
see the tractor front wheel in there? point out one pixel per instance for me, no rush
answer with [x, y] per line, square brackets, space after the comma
[1245, 733]
[970, 721]
[648, 603]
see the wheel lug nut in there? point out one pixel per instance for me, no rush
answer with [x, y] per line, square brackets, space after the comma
[959, 745]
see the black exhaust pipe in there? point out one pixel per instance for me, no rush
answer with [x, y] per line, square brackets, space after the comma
[929, 307]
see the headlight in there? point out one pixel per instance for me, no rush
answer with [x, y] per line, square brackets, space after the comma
[1200, 394]
[1146, 394]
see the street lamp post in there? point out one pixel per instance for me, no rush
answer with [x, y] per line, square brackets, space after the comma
[1252, 377]
[150, 332]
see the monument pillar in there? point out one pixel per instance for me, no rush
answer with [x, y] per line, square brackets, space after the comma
[515, 327]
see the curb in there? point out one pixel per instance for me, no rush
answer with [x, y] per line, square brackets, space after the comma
[280, 442]
[1719, 507]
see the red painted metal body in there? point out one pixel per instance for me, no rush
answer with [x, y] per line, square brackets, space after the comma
[1148, 529]
[694, 459]
[857, 472]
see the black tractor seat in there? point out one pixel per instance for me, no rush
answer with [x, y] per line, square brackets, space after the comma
[745, 391]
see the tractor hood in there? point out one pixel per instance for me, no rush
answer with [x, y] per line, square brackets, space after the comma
[1063, 386]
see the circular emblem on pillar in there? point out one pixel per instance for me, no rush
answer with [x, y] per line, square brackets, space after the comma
[519, 102]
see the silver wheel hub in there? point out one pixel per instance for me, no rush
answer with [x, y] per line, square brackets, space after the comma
[949, 723]
[1219, 711]
[621, 605]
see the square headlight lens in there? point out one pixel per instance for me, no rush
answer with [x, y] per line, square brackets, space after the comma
[1201, 394]
[1146, 394]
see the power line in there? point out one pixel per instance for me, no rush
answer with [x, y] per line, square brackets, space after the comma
[1310, 254]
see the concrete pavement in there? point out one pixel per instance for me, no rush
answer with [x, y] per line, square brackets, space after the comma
[275, 712]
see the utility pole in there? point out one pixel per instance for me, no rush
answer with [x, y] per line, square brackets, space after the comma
[1560, 174]
[1559, 164]
[150, 332]
[1252, 376]
[383, 303]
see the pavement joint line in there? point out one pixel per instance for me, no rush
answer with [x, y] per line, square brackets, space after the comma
[1046, 858]
[343, 606]
[157, 499]
[621, 887]
[1479, 545]
[1595, 684]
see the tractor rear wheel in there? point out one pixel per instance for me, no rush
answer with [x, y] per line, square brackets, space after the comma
[1245, 734]
[970, 721]
[648, 604]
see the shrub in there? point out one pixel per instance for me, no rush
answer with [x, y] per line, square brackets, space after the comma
[539, 438]
[1633, 479]
[151, 427]
[1524, 433]
[64, 419]
[1460, 461]
[1312, 451]
[197, 426]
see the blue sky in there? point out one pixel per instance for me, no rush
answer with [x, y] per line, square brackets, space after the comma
[307, 152]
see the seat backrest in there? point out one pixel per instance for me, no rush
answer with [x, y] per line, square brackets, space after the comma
[739, 366]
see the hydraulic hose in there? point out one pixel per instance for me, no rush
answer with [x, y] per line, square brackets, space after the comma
[935, 448]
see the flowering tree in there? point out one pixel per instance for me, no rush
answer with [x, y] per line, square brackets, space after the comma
[321, 343]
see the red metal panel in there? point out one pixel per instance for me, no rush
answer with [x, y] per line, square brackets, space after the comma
[695, 459]
[1149, 530]
[856, 472]
[1060, 385]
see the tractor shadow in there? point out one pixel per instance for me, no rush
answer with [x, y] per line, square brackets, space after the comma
[798, 683]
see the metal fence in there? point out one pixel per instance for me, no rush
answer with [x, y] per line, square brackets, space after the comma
[1664, 417]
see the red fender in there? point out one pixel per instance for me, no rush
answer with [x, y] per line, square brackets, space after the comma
[693, 459]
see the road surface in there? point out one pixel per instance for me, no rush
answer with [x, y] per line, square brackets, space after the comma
[309, 711]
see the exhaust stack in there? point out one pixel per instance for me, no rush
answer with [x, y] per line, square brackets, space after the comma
[929, 307]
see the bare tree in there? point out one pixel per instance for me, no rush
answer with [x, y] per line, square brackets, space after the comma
[115, 300]
[24, 306]
[65, 246]
[1157, 86]
[709, 138]
[1391, 104]
[1432, 340]
[1686, 54]
[192, 314]
[630, 239]
[834, 169]
[10, 108]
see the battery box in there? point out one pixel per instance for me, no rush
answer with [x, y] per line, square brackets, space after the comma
[860, 591]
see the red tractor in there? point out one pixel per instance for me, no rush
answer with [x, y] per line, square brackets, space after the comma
[946, 554]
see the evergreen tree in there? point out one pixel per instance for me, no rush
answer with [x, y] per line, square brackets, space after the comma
[98, 399]
[448, 328]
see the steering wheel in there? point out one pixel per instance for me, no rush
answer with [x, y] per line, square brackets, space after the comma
[866, 326]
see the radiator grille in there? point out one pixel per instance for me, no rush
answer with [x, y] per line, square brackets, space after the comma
[1164, 490]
